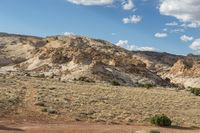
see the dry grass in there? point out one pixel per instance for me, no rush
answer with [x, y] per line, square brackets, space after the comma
[100, 102]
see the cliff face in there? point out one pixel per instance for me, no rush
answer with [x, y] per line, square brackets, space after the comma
[72, 57]
[186, 72]
[183, 70]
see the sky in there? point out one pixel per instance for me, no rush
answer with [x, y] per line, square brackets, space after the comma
[171, 26]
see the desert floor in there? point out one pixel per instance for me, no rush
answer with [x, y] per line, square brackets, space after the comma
[88, 128]
[27, 104]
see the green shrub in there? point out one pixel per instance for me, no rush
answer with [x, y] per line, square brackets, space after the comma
[148, 86]
[154, 131]
[82, 78]
[195, 91]
[168, 80]
[40, 104]
[115, 83]
[44, 109]
[52, 111]
[85, 79]
[161, 120]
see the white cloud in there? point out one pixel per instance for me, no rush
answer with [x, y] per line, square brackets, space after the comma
[193, 25]
[177, 30]
[195, 45]
[122, 43]
[186, 38]
[128, 5]
[68, 33]
[132, 19]
[187, 11]
[113, 34]
[165, 29]
[134, 47]
[126, 45]
[160, 35]
[91, 2]
[190, 25]
[172, 24]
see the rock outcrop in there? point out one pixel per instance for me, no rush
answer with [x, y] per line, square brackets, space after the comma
[71, 57]
[186, 72]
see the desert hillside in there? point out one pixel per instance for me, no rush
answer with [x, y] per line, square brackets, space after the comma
[73, 57]
[69, 58]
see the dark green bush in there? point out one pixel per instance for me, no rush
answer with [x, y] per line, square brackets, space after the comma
[154, 131]
[82, 78]
[161, 120]
[168, 80]
[195, 91]
[115, 83]
[85, 79]
[148, 86]
[52, 111]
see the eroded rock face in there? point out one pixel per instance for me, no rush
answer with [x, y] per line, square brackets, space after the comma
[186, 72]
[181, 67]
[71, 57]
[182, 70]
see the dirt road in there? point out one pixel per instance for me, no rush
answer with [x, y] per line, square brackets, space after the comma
[87, 128]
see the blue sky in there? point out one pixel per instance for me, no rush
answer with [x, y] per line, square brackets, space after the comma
[132, 24]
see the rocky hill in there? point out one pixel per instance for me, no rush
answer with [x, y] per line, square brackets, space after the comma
[186, 72]
[72, 57]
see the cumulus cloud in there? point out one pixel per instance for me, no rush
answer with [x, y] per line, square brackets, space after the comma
[128, 5]
[132, 19]
[177, 30]
[195, 45]
[68, 33]
[122, 43]
[190, 25]
[165, 29]
[186, 38]
[91, 2]
[160, 35]
[125, 44]
[113, 34]
[187, 11]
[172, 24]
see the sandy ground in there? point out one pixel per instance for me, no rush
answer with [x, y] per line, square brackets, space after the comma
[31, 105]
[88, 128]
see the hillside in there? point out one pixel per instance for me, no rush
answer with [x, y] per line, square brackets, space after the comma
[72, 57]
[74, 79]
